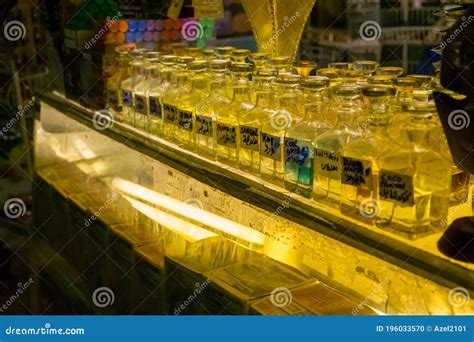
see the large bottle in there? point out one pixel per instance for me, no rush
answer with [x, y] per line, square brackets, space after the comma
[360, 157]
[227, 117]
[299, 139]
[188, 101]
[205, 116]
[347, 106]
[114, 94]
[414, 181]
[250, 123]
[284, 113]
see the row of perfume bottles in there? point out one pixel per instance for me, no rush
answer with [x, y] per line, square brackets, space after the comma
[356, 137]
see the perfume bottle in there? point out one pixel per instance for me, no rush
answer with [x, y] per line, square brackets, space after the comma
[299, 139]
[227, 117]
[258, 60]
[187, 102]
[281, 63]
[414, 181]
[347, 106]
[161, 82]
[392, 71]
[360, 156]
[284, 112]
[140, 91]
[114, 94]
[250, 123]
[127, 85]
[180, 86]
[239, 55]
[304, 67]
[205, 117]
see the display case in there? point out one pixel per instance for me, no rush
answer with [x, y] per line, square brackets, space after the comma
[172, 232]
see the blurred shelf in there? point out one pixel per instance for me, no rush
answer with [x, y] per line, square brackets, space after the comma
[419, 256]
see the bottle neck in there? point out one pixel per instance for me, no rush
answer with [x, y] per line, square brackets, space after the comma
[218, 86]
[199, 83]
[241, 92]
[264, 99]
[418, 130]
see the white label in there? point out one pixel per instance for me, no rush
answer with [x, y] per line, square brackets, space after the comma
[327, 164]
[270, 146]
[226, 135]
[249, 137]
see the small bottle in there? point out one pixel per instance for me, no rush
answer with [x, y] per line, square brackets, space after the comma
[206, 109]
[299, 139]
[304, 67]
[360, 157]
[114, 98]
[250, 123]
[281, 63]
[347, 106]
[258, 60]
[414, 181]
[239, 55]
[227, 117]
[188, 101]
[284, 112]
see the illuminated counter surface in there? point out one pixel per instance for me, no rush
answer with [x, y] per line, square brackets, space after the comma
[343, 237]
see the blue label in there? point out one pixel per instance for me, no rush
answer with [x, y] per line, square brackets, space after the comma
[270, 146]
[127, 98]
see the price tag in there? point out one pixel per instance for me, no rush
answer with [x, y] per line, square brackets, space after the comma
[396, 188]
[249, 137]
[357, 172]
[185, 120]
[204, 125]
[327, 164]
[155, 107]
[226, 135]
[140, 104]
[126, 98]
[170, 113]
[270, 146]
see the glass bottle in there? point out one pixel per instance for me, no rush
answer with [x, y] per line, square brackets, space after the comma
[330, 73]
[360, 156]
[114, 94]
[281, 63]
[188, 101]
[140, 91]
[304, 67]
[227, 117]
[208, 54]
[239, 55]
[414, 181]
[299, 139]
[161, 82]
[180, 86]
[340, 66]
[284, 112]
[206, 109]
[347, 106]
[392, 71]
[250, 123]
[259, 60]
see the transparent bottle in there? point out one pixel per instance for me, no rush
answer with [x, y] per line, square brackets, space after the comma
[180, 86]
[227, 117]
[140, 91]
[114, 94]
[282, 114]
[304, 67]
[347, 106]
[359, 162]
[127, 85]
[250, 123]
[392, 71]
[239, 55]
[208, 54]
[414, 181]
[259, 60]
[299, 139]
[281, 63]
[188, 101]
[206, 109]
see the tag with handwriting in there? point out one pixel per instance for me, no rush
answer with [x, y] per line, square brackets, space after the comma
[226, 135]
[155, 107]
[249, 137]
[126, 98]
[327, 164]
[396, 187]
[270, 146]
[140, 104]
[204, 125]
[357, 172]
[170, 113]
[185, 120]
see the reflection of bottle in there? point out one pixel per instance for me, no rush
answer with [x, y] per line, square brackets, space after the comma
[414, 181]
[128, 84]
[250, 123]
[360, 157]
[205, 117]
[187, 103]
[299, 139]
[284, 113]
[327, 156]
[227, 124]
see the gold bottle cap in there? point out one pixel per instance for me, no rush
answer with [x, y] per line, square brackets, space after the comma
[240, 67]
[378, 90]
[380, 79]
[137, 53]
[340, 66]
[218, 64]
[177, 48]
[151, 55]
[208, 53]
[184, 60]
[304, 67]
[168, 59]
[424, 79]
[197, 65]
[406, 82]
[367, 67]
[390, 71]
[328, 72]
[265, 72]
[239, 54]
[347, 90]
[193, 51]
[315, 82]
[224, 50]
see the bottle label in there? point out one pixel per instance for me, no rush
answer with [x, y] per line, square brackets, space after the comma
[140, 104]
[249, 137]
[170, 113]
[270, 146]
[155, 107]
[185, 120]
[113, 97]
[226, 135]
[357, 172]
[396, 187]
[327, 164]
[298, 152]
[204, 125]
[126, 98]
